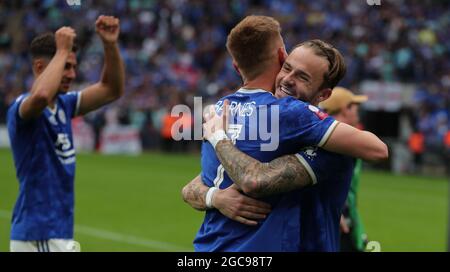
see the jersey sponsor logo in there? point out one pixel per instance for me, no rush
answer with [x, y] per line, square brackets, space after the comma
[64, 149]
[63, 141]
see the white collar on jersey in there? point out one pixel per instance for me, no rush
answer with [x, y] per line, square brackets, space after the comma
[53, 111]
[252, 91]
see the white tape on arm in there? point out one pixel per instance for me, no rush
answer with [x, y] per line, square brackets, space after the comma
[218, 136]
[209, 196]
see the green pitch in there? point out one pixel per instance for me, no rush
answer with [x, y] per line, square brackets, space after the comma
[134, 204]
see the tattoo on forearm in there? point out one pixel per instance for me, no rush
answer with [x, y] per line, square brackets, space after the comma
[259, 179]
[194, 194]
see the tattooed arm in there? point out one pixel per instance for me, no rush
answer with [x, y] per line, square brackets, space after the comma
[259, 179]
[255, 178]
[194, 193]
[230, 202]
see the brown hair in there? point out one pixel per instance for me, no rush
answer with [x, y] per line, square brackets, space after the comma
[44, 45]
[250, 43]
[336, 63]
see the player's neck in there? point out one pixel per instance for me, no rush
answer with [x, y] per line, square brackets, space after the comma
[264, 81]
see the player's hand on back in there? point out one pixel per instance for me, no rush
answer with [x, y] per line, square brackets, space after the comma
[64, 38]
[214, 122]
[108, 28]
[236, 206]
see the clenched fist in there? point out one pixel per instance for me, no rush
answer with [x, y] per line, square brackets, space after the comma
[64, 38]
[108, 28]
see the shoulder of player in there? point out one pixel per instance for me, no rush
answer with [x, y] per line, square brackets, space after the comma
[69, 102]
[322, 162]
[20, 99]
[13, 106]
[287, 104]
[69, 96]
[321, 153]
[291, 108]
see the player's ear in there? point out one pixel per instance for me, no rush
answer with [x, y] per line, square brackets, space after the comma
[324, 94]
[39, 66]
[282, 55]
[236, 68]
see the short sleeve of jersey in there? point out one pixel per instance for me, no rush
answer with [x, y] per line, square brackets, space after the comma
[303, 124]
[322, 165]
[13, 111]
[314, 164]
[72, 102]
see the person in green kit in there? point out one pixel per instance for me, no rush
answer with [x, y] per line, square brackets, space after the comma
[343, 106]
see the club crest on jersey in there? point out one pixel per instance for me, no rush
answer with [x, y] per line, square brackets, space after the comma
[322, 115]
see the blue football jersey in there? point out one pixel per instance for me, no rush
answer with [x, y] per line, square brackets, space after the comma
[321, 204]
[44, 157]
[294, 125]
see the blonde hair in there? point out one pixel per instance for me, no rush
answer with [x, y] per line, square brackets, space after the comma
[251, 44]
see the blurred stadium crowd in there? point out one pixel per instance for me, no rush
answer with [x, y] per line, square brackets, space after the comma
[175, 49]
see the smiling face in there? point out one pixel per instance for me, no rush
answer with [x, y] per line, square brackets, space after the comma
[302, 76]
